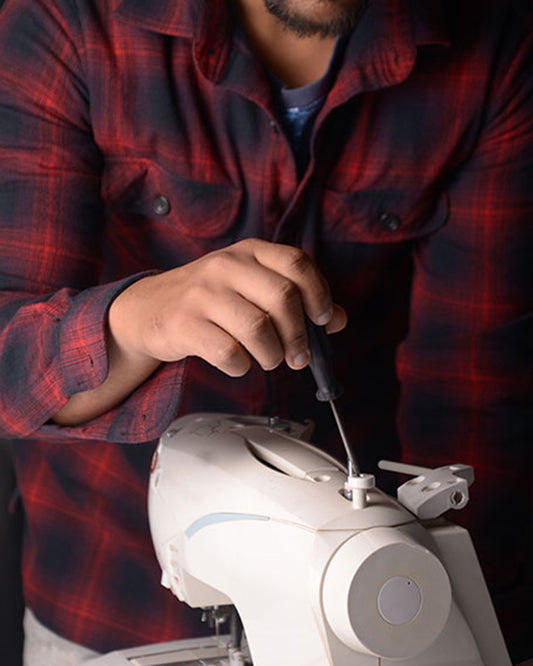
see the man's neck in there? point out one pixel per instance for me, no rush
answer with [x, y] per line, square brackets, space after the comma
[294, 60]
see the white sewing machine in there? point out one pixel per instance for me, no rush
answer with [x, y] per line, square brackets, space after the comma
[245, 513]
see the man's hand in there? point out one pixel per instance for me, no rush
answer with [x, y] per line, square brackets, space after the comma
[241, 302]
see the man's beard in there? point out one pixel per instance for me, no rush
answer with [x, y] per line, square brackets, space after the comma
[342, 19]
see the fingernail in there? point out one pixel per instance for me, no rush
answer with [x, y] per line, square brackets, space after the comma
[324, 318]
[272, 366]
[301, 359]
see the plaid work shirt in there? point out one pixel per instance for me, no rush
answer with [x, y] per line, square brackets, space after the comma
[137, 135]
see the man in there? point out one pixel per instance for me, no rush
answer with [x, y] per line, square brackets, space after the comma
[180, 182]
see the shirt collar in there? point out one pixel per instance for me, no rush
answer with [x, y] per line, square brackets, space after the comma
[209, 23]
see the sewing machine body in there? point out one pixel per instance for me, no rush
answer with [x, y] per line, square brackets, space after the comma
[244, 512]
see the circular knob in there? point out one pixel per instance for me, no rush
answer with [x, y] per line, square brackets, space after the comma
[399, 600]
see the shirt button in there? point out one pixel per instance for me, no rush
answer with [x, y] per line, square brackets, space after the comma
[161, 205]
[390, 222]
[274, 126]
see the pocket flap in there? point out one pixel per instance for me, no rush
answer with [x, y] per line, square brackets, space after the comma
[378, 216]
[140, 190]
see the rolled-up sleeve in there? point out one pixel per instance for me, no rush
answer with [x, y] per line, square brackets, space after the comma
[52, 308]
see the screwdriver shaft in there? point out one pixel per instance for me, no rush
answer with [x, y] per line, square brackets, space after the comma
[328, 389]
[353, 466]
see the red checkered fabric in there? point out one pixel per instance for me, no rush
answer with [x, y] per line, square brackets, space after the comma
[417, 205]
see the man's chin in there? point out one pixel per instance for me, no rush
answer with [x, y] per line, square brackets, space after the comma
[316, 18]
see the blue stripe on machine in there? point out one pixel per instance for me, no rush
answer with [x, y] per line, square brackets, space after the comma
[213, 518]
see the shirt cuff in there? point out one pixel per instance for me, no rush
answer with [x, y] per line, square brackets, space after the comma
[83, 365]
[82, 359]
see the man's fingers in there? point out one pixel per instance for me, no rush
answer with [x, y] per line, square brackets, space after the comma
[295, 265]
[280, 301]
[251, 327]
[216, 346]
[282, 281]
[226, 330]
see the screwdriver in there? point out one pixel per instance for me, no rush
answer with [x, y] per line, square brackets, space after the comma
[328, 389]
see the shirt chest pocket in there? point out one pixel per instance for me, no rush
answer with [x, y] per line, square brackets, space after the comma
[142, 195]
[382, 216]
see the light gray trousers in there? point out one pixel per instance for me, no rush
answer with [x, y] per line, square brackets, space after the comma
[43, 647]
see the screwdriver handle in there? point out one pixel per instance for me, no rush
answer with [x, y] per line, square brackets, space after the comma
[321, 364]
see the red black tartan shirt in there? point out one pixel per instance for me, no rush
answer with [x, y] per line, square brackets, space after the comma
[416, 204]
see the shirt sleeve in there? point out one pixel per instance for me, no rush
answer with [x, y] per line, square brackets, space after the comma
[52, 310]
[466, 364]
